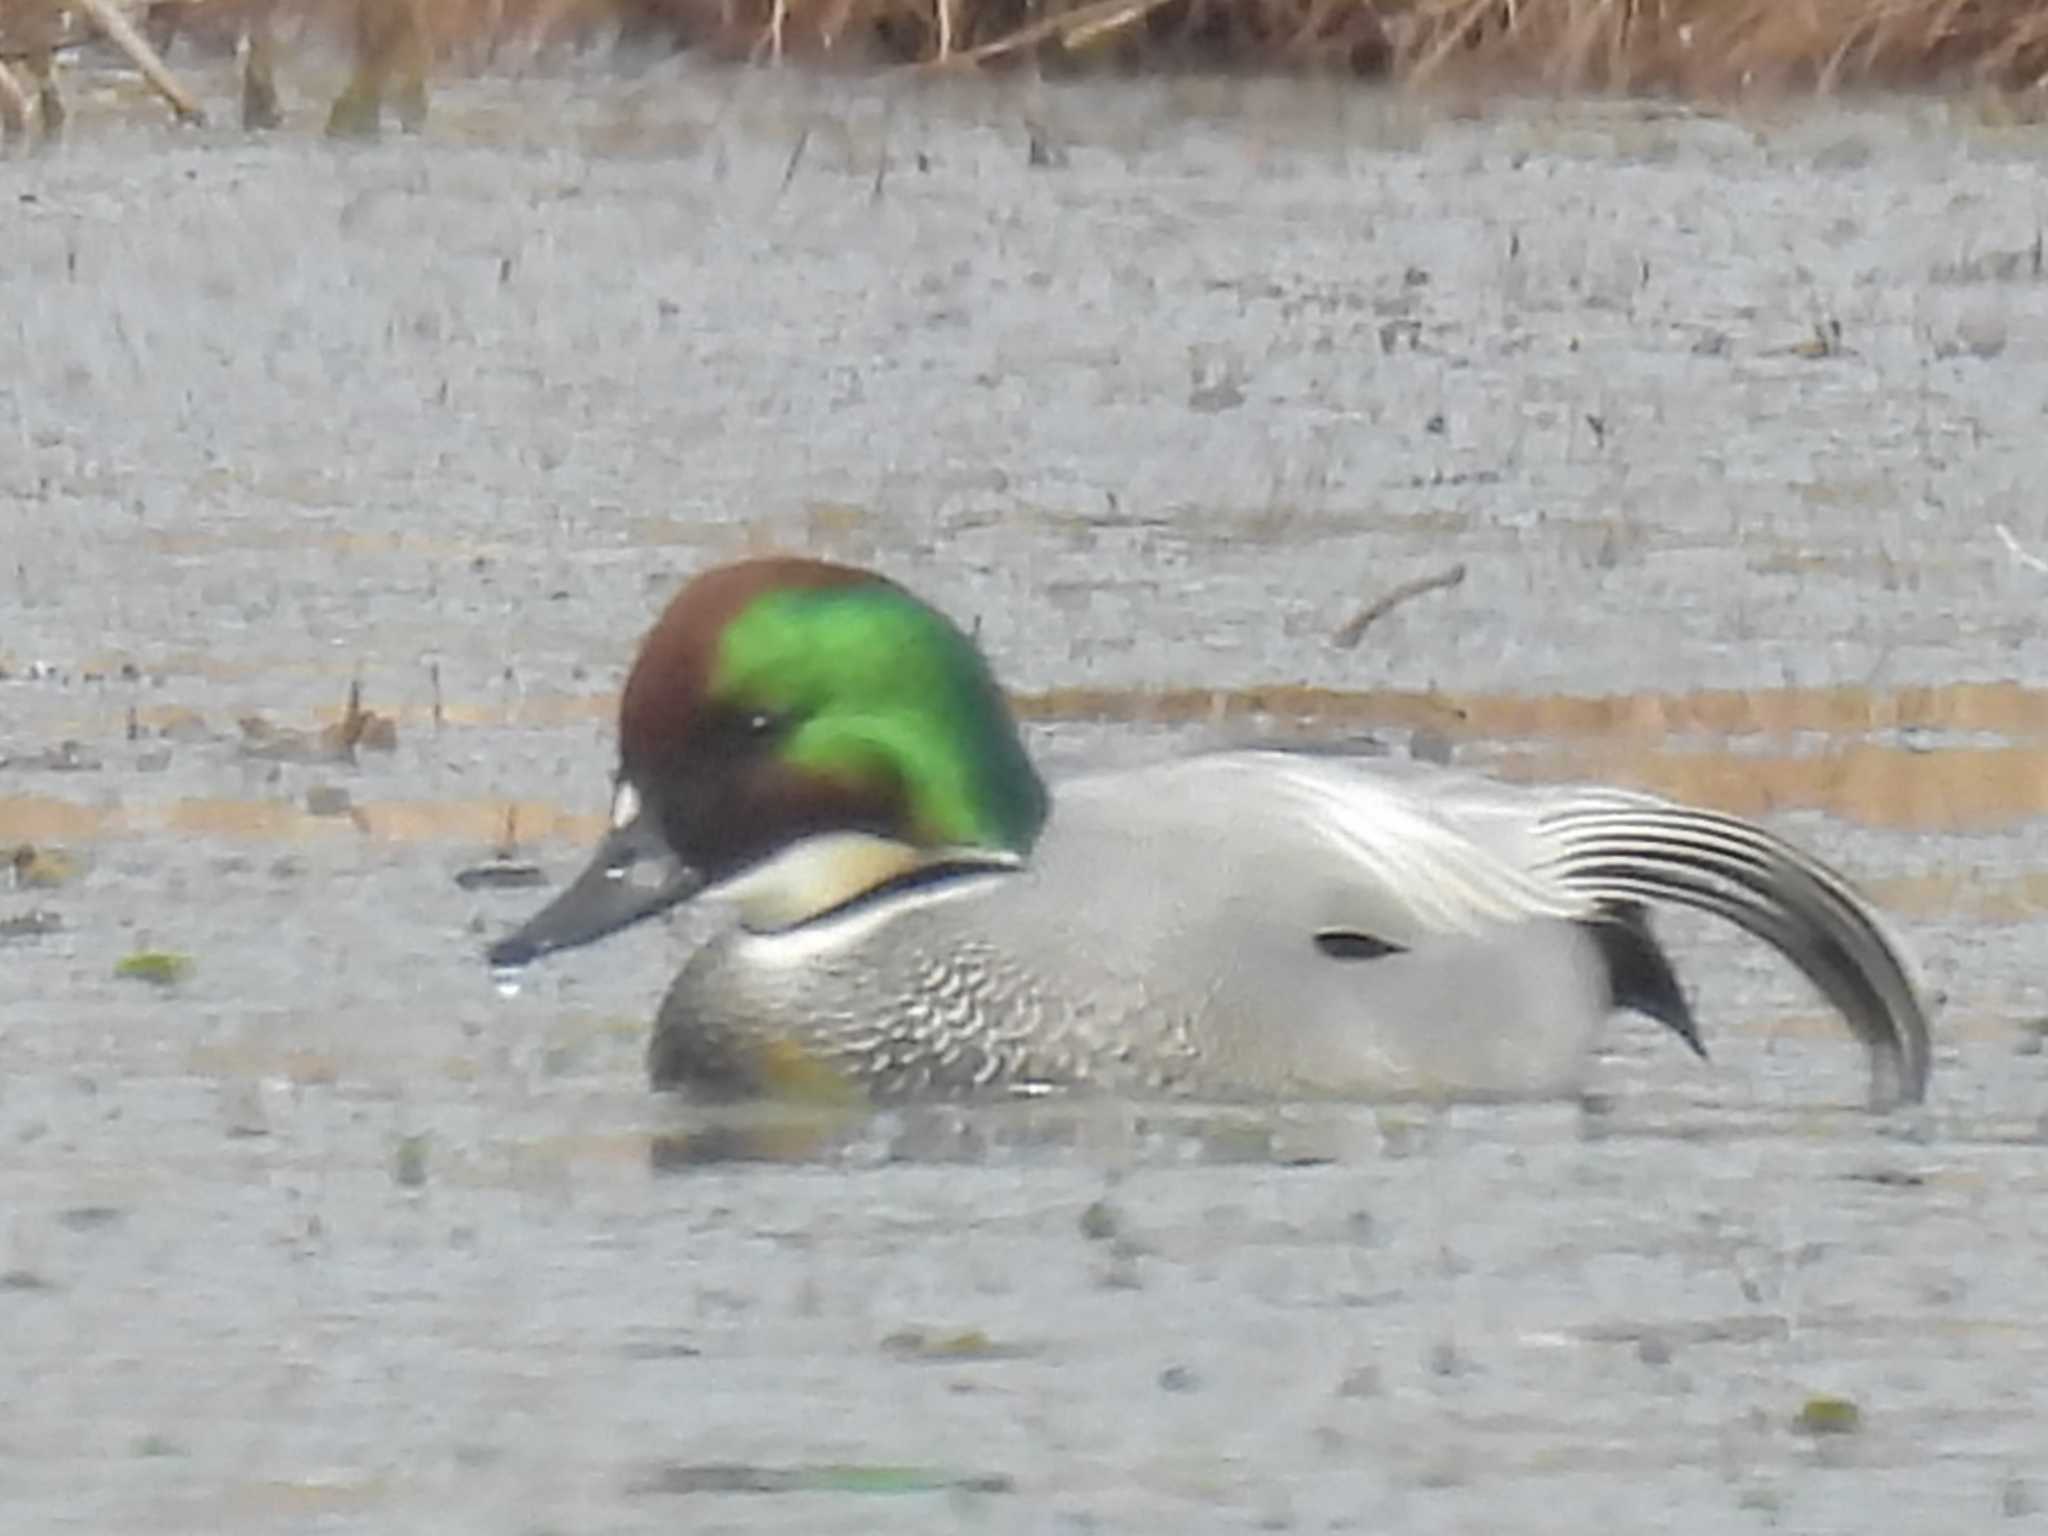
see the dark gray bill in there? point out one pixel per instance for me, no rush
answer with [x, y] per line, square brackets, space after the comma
[633, 875]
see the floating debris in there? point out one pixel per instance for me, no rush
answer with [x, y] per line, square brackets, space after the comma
[66, 757]
[184, 725]
[90, 1218]
[1888, 1177]
[1353, 630]
[242, 1111]
[358, 729]
[361, 728]
[1446, 1359]
[1743, 1328]
[1042, 151]
[660, 1345]
[1823, 341]
[501, 875]
[42, 869]
[1361, 1381]
[158, 967]
[821, 1477]
[275, 744]
[1099, 1221]
[1213, 396]
[328, 800]
[1120, 1272]
[2016, 1498]
[924, 1345]
[32, 924]
[409, 1162]
[504, 870]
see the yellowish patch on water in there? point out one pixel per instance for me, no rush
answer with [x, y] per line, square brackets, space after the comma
[257, 820]
[1998, 708]
[304, 1066]
[2003, 708]
[279, 1498]
[1964, 893]
[623, 1149]
[1824, 1026]
[44, 819]
[1959, 790]
[40, 819]
[533, 709]
[1639, 739]
[474, 821]
[336, 538]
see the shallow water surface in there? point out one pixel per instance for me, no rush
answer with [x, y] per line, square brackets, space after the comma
[1736, 425]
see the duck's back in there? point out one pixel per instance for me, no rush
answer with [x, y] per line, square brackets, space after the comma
[1315, 920]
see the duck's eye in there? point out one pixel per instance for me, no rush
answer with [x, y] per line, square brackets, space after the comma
[756, 730]
[747, 731]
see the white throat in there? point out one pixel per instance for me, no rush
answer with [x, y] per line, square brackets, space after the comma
[819, 873]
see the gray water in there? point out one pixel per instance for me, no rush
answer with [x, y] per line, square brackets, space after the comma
[325, 1234]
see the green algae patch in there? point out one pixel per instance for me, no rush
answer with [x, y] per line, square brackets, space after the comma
[818, 1477]
[1828, 1416]
[158, 967]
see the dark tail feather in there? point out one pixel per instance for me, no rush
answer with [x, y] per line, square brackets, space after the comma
[1639, 973]
[1624, 850]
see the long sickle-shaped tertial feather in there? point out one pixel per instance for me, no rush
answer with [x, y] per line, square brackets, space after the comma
[1621, 848]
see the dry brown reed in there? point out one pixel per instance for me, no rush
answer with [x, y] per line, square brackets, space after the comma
[1699, 48]
[1684, 47]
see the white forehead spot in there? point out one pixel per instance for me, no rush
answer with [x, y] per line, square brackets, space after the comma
[625, 805]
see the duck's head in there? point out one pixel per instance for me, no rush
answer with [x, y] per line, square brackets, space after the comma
[793, 734]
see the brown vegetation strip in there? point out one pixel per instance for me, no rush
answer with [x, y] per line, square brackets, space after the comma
[2005, 709]
[1960, 790]
[1927, 791]
[1964, 893]
[1696, 47]
[2001, 708]
[35, 819]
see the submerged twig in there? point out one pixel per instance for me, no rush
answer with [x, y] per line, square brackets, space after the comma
[796, 158]
[1354, 629]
